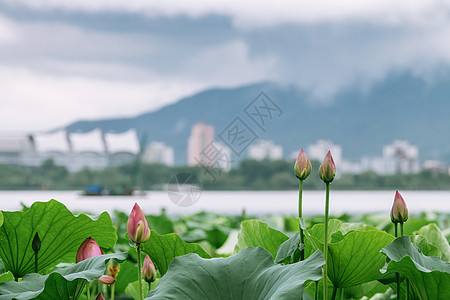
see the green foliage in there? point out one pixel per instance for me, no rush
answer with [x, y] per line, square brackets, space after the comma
[133, 289]
[254, 233]
[250, 274]
[436, 238]
[62, 283]
[126, 275]
[162, 249]
[356, 258]
[60, 231]
[429, 276]
[248, 175]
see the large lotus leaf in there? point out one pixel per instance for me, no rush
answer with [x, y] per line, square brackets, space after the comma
[133, 289]
[250, 274]
[61, 235]
[317, 231]
[356, 258]
[62, 283]
[126, 275]
[162, 249]
[289, 251]
[255, 233]
[435, 237]
[8, 276]
[425, 246]
[429, 276]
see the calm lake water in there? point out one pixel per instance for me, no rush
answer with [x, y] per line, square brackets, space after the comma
[233, 202]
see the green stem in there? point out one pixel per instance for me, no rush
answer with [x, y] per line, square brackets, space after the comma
[401, 229]
[325, 246]
[316, 295]
[113, 290]
[341, 296]
[138, 248]
[333, 296]
[36, 262]
[88, 288]
[407, 289]
[397, 276]
[407, 281]
[300, 215]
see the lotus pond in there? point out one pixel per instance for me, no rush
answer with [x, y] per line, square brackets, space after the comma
[49, 252]
[208, 256]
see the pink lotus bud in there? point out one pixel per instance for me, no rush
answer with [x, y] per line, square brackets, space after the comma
[302, 166]
[108, 280]
[148, 270]
[137, 226]
[399, 211]
[100, 297]
[88, 249]
[327, 169]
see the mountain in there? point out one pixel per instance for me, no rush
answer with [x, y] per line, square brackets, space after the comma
[400, 107]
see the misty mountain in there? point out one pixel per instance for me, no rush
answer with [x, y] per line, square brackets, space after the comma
[362, 122]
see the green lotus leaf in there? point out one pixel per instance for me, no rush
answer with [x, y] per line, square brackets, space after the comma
[255, 233]
[428, 276]
[126, 275]
[61, 235]
[289, 251]
[425, 246]
[8, 276]
[356, 258]
[435, 237]
[250, 274]
[62, 283]
[162, 249]
[133, 289]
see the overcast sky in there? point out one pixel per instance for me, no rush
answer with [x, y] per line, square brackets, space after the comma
[62, 61]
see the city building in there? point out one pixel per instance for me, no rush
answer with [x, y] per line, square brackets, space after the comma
[121, 147]
[74, 151]
[12, 147]
[201, 139]
[401, 157]
[265, 149]
[159, 152]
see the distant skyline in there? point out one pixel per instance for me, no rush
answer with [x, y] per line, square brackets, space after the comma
[62, 61]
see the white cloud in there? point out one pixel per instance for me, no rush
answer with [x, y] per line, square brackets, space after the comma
[38, 101]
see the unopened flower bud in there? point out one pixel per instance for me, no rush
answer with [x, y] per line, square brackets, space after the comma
[327, 169]
[137, 227]
[302, 166]
[88, 249]
[399, 211]
[100, 297]
[108, 280]
[36, 244]
[148, 270]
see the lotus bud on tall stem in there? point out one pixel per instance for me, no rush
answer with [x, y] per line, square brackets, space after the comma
[138, 232]
[302, 169]
[327, 171]
[399, 214]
